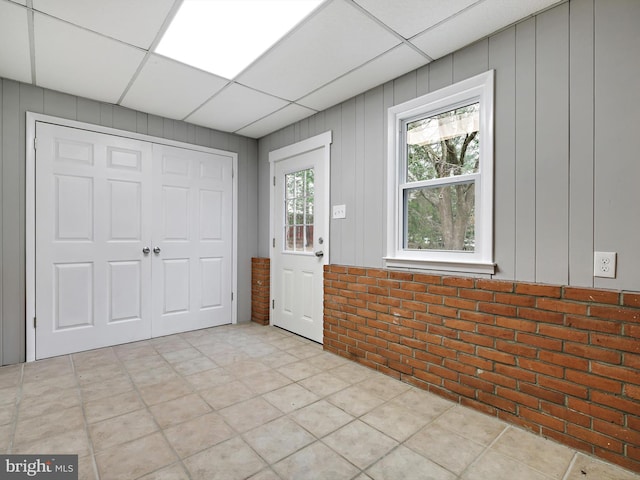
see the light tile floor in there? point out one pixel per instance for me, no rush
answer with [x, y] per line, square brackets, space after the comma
[257, 402]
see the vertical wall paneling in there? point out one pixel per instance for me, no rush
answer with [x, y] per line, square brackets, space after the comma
[373, 177]
[1, 222]
[359, 176]
[471, 61]
[124, 118]
[333, 122]
[348, 180]
[387, 102]
[581, 104]
[525, 122]
[405, 87]
[501, 59]
[440, 73]
[617, 169]
[13, 301]
[422, 81]
[89, 111]
[60, 104]
[264, 192]
[155, 125]
[106, 115]
[141, 123]
[552, 146]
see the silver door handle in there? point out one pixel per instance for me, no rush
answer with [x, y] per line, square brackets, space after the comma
[146, 250]
[156, 250]
[319, 254]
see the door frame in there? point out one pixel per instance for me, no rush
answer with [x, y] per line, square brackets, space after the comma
[30, 209]
[323, 141]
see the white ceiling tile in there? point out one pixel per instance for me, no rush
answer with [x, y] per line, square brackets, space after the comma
[336, 40]
[410, 17]
[171, 89]
[475, 23]
[76, 61]
[388, 66]
[15, 58]
[133, 21]
[235, 107]
[288, 115]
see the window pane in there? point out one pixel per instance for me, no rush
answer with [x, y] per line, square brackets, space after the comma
[440, 218]
[444, 145]
[298, 204]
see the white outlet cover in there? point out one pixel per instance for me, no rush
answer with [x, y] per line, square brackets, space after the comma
[339, 211]
[604, 264]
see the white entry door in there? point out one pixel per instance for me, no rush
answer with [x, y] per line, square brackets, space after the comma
[133, 240]
[192, 239]
[300, 244]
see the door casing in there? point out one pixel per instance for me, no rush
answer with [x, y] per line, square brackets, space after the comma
[323, 141]
[30, 209]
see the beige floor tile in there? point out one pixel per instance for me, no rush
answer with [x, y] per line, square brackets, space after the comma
[179, 410]
[266, 474]
[124, 428]
[278, 359]
[446, 448]
[109, 388]
[144, 364]
[360, 444]
[324, 384]
[290, 398]
[245, 368]
[104, 408]
[8, 413]
[259, 350]
[278, 439]
[250, 414]
[135, 459]
[355, 400]
[425, 403]
[471, 424]
[384, 387]
[230, 460]
[226, 395]
[134, 351]
[352, 372]
[9, 395]
[44, 370]
[196, 365]
[53, 401]
[209, 378]
[266, 381]
[10, 376]
[394, 420]
[100, 373]
[5, 437]
[495, 466]
[172, 472]
[87, 468]
[73, 442]
[49, 384]
[321, 418]
[182, 355]
[287, 343]
[94, 358]
[163, 392]
[161, 374]
[315, 462]
[198, 434]
[305, 351]
[299, 370]
[588, 468]
[224, 359]
[546, 456]
[328, 361]
[408, 465]
[35, 428]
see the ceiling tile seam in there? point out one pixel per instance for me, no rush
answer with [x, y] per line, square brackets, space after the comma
[297, 27]
[165, 24]
[82, 27]
[32, 41]
[402, 39]
[273, 113]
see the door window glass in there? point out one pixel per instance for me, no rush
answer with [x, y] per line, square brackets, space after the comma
[298, 211]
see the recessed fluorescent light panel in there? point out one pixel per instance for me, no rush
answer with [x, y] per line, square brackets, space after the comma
[224, 37]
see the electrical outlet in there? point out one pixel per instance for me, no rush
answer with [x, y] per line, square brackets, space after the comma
[604, 264]
[339, 211]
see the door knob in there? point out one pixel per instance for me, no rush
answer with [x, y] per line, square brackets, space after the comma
[319, 254]
[146, 250]
[156, 250]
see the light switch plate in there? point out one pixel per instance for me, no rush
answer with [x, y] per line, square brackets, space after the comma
[604, 264]
[339, 211]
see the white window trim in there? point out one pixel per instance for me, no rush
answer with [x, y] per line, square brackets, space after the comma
[475, 89]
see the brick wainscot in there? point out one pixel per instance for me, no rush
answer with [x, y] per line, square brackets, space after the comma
[563, 362]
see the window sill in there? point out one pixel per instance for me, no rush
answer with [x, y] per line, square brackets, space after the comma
[441, 265]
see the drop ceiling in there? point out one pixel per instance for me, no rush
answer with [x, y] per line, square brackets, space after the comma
[103, 50]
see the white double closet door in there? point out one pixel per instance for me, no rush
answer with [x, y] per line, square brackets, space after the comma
[133, 240]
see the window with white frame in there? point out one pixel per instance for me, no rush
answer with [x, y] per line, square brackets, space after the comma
[440, 179]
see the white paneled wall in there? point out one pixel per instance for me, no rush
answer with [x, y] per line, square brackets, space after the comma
[15, 100]
[565, 165]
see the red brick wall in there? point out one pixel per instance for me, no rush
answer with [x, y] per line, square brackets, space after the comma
[563, 362]
[260, 278]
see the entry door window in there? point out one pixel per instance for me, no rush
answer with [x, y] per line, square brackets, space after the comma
[298, 211]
